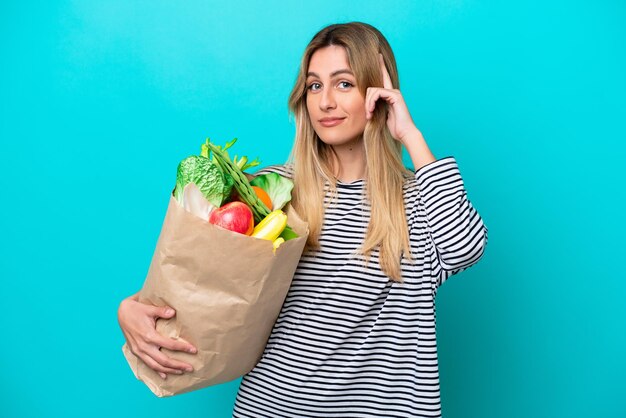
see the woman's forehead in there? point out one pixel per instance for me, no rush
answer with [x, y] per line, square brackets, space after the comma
[328, 60]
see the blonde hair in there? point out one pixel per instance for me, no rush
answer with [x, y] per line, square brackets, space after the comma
[385, 174]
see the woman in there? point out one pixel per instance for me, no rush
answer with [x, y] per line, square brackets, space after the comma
[356, 334]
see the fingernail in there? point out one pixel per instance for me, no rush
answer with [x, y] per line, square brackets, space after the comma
[192, 350]
[179, 372]
[169, 311]
[189, 369]
[163, 375]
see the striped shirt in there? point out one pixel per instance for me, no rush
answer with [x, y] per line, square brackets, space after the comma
[349, 342]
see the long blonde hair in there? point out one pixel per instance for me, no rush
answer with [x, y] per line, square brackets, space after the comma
[385, 173]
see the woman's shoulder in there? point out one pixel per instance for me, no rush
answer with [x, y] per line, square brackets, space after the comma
[285, 170]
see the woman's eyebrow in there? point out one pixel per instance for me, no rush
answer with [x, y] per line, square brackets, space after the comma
[333, 74]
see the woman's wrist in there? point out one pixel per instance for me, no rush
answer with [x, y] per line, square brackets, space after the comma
[418, 149]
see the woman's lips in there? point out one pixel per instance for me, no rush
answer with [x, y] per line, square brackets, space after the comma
[331, 122]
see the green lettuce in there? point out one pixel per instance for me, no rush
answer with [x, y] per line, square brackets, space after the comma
[207, 176]
[277, 187]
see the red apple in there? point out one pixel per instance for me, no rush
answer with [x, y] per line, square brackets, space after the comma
[234, 216]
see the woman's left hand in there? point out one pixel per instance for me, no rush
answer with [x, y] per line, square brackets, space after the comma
[399, 119]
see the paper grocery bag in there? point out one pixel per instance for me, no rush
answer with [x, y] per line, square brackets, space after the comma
[227, 290]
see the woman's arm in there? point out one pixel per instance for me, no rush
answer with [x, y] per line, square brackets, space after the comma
[418, 150]
[457, 231]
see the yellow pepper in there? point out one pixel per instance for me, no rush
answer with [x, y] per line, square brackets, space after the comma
[277, 243]
[271, 226]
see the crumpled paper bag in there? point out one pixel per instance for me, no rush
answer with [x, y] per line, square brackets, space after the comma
[227, 290]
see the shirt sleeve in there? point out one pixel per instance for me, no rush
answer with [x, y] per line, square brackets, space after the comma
[285, 170]
[455, 227]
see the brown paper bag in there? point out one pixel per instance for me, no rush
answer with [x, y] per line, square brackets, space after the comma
[227, 290]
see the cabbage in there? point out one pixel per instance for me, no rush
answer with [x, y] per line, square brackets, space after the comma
[195, 202]
[277, 187]
[214, 185]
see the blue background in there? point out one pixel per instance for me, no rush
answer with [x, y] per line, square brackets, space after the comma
[100, 100]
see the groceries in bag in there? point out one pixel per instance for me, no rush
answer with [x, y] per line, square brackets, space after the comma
[227, 287]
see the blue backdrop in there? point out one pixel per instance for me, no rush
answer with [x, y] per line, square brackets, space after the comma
[100, 100]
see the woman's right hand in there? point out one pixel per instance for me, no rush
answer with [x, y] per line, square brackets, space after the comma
[138, 323]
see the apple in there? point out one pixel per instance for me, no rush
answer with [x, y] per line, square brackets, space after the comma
[234, 216]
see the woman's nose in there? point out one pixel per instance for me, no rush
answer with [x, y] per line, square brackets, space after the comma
[327, 100]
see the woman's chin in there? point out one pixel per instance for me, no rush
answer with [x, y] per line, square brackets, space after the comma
[338, 140]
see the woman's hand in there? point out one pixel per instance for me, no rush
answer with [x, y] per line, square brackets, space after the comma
[138, 323]
[399, 120]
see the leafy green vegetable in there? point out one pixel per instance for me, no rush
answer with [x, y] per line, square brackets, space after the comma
[288, 234]
[207, 176]
[195, 202]
[277, 187]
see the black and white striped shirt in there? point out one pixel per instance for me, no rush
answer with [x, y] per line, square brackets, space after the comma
[349, 342]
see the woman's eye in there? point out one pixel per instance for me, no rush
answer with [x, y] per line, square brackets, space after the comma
[314, 86]
[345, 84]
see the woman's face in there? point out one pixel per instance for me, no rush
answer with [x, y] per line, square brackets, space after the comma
[335, 104]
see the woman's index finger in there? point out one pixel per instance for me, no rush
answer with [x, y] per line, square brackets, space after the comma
[383, 69]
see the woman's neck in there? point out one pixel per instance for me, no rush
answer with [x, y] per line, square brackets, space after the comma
[349, 161]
